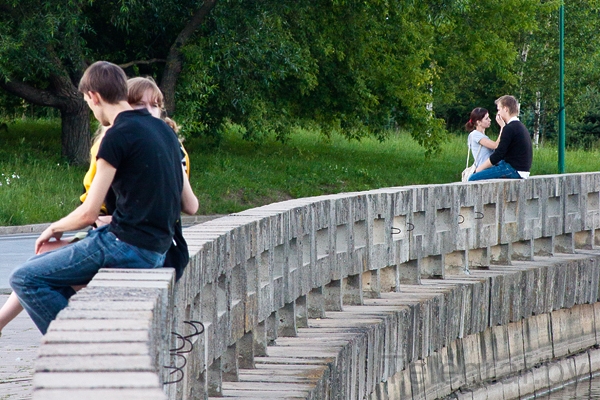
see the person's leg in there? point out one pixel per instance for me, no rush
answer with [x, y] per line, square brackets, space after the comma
[10, 310]
[13, 307]
[502, 170]
[44, 283]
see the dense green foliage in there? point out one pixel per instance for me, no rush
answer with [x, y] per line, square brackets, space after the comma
[243, 174]
[582, 71]
[354, 67]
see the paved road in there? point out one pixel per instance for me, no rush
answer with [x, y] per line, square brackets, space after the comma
[14, 251]
[18, 348]
[20, 339]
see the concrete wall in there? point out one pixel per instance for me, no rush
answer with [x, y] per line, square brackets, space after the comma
[431, 276]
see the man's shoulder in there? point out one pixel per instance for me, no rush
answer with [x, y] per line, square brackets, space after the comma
[130, 123]
[517, 127]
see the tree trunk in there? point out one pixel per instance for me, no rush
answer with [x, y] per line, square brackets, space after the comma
[174, 61]
[75, 136]
[75, 114]
[536, 119]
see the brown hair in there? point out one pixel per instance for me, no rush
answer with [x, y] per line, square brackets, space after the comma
[136, 87]
[509, 102]
[476, 115]
[106, 79]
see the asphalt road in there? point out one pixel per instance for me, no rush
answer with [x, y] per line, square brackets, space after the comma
[14, 251]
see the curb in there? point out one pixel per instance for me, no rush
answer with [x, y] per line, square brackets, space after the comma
[39, 228]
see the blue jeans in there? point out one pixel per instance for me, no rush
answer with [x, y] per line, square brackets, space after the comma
[502, 170]
[43, 283]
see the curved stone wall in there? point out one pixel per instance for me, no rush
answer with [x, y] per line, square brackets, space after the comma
[414, 289]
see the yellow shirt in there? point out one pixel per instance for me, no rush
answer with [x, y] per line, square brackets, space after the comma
[91, 172]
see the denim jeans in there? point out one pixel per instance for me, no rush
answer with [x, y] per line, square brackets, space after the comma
[43, 283]
[502, 170]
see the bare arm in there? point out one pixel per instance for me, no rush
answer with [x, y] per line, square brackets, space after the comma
[502, 124]
[85, 214]
[490, 144]
[189, 201]
[485, 165]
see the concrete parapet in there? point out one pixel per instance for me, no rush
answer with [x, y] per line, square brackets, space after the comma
[479, 289]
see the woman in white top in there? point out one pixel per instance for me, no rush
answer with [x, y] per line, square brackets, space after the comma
[481, 146]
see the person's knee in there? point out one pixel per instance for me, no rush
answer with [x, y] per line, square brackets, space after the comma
[19, 277]
[16, 278]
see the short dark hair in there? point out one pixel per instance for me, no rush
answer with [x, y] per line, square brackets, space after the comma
[106, 79]
[510, 102]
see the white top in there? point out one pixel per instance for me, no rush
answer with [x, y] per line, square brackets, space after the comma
[473, 141]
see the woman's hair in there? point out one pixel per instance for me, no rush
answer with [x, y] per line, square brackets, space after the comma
[476, 115]
[136, 87]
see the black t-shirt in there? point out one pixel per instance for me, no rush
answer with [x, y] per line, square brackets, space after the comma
[514, 147]
[148, 182]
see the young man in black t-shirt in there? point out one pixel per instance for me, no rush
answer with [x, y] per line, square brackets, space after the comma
[140, 157]
[513, 157]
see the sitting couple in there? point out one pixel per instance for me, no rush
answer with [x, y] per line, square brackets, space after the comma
[510, 156]
[139, 159]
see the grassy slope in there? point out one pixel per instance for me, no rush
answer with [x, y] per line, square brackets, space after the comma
[241, 175]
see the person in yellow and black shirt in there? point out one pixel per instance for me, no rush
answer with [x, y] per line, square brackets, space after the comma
[142, 93]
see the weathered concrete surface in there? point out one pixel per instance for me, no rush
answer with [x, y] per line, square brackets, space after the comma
[474, 290]
[18, 349]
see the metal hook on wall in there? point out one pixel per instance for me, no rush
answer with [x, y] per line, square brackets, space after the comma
[180, 351]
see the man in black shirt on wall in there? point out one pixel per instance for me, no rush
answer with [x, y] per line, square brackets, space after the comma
[140, 158]
[514, 154]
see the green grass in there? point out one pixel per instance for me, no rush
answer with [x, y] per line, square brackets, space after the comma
[240, 174]
[37, 184]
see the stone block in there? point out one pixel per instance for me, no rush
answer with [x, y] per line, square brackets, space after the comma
[495, 391]
[94, 380]
[431, 376]
[487, 367]
[417, 380]
[526, 383]
[456, 365]
[537, 340]
[540, 379]
[582, 366]
[501, 350]
[472, 359]
[571, 283]
[584, 317]
[516, 349]
[100, 394]
[594, 355]
[95, 363]
[510, 387]
[96, 336]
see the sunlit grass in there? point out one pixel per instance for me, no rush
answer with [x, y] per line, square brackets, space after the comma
[240, 174]
[47, 188]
